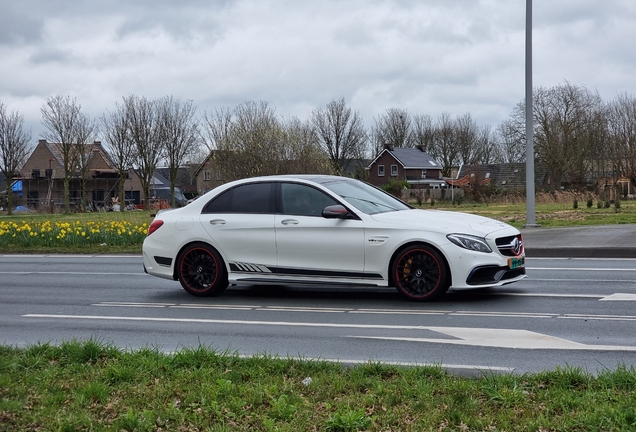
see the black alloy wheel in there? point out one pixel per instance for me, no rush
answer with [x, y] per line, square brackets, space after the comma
[201, 271]
[419, 273]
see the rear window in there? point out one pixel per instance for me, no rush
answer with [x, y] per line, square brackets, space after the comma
[247, 198]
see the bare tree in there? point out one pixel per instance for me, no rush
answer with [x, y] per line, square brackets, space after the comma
[217, 131]
[85, 132]
[510, 139]
[341, 133]
[444, 147]
[179, 132]
[424, 133]
[14, 147]
[301, 150]
[393, 128]
[60, 116]
[246, 141]
[487, 142]
[143, 127]
[120, 146]
[622, 134]
[563, 130]
[467, 139]
[217, 127]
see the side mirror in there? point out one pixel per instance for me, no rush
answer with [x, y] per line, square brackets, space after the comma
[336, 212]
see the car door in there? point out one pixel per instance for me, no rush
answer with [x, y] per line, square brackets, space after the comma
[240, 222]
[311, 245]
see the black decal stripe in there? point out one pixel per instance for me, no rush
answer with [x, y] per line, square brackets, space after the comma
[281, 271]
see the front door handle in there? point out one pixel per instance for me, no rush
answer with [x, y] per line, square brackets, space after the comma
[289, 222]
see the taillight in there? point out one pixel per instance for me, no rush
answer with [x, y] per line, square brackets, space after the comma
[154, 226]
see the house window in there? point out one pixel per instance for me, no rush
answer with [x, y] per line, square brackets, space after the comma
[394, 170]
[218, 176]
[206, 175]
[380, 170]
[423, 173]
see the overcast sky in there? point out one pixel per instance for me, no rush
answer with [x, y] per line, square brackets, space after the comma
[425, 56]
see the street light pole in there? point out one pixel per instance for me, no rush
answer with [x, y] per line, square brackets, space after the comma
[530, 204]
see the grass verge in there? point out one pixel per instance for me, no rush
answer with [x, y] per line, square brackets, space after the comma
[90, 385]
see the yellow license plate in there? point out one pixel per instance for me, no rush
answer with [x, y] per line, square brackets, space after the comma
[516, 262]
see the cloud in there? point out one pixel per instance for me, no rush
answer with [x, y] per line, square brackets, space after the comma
[452, 56]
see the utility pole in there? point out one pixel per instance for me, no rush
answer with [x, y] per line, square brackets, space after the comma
[530, 198]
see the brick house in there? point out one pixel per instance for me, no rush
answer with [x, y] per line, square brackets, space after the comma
[41, 180]
[414, 165]
[207, 176]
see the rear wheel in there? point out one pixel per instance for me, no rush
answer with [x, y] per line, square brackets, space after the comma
[201, 271]
[420, 273]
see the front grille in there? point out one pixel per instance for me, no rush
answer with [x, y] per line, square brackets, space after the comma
[510, 246]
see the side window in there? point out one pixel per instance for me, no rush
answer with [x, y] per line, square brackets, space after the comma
[255, 198]
[394, 170]
[380, 170]
[303, 200]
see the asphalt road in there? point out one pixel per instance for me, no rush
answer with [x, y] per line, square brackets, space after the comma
[576, 312]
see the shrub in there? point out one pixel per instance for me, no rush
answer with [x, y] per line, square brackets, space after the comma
[394, 187]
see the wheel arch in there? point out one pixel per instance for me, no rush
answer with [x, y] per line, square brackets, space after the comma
[404, 246]
[191, 243]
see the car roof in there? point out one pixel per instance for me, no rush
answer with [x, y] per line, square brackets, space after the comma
[317, 178]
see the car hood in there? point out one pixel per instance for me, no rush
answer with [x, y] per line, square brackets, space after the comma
[446, 221]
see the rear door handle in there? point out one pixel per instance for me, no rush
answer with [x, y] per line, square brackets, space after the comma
[289, 222]
[217, 222]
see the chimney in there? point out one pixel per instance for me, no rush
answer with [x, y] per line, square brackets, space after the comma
[421, 148]
[388, 147]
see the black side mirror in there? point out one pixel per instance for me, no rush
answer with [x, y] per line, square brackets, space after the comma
[336, 212]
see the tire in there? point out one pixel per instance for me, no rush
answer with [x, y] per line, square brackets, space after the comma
[420, 273]
[201, 271]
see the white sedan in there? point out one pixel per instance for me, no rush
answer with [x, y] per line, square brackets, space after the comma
[317, 229]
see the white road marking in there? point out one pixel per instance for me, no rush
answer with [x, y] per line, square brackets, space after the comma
[598, 296]
[600, 317]
[21, 256]
[122, 304]
[504, 314]
[579, 259]
[487, 314]
[247, 308]
[503, 338]
[500, 338]
[66, 273]
[408, 364]
[620, 297]
[600, 269]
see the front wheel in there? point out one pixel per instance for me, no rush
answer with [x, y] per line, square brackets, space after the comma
[420, 273]
[201, 271]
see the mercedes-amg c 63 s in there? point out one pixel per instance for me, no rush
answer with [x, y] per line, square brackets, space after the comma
[317, 229]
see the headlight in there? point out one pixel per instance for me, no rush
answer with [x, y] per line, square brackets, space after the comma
[473, 243]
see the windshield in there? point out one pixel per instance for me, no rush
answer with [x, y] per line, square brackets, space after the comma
[365, 197]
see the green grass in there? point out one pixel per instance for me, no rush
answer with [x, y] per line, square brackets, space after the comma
[89, 385]
[550, 214]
